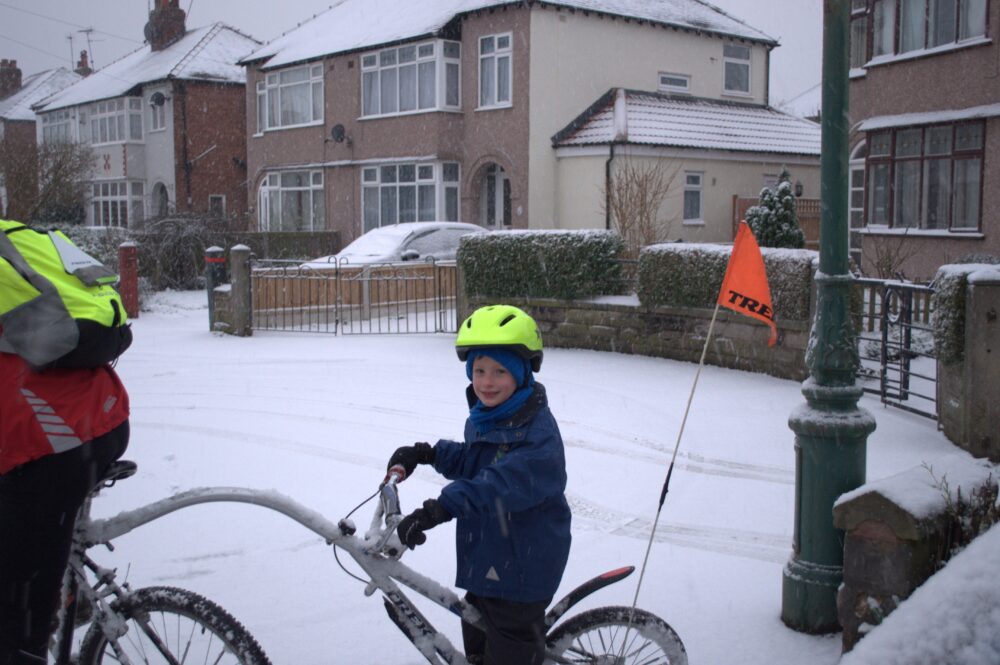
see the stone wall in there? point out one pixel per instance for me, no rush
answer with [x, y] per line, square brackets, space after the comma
[622, 325]
[968, 408]
[898, 532]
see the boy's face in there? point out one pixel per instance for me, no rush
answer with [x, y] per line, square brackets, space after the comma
[491, 381]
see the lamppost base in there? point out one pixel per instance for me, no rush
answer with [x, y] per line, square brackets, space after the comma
[809, 597]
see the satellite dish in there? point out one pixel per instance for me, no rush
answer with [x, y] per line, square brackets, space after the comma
[338, 133]
[157, 99]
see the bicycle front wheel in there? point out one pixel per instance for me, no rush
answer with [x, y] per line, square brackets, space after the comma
[607, 636]
[168, 625]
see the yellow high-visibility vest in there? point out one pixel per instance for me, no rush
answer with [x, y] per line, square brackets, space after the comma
[46, 284]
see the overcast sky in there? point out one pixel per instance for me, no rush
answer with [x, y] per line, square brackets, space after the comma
[37, 33]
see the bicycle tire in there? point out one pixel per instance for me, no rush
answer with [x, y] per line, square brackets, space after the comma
[186, 624]
[597, 636]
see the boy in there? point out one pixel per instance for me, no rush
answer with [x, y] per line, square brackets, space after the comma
[508, 479]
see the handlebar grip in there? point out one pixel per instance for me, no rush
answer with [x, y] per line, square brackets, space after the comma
[395, 470]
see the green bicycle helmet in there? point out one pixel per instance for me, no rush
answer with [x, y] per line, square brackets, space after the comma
[505, 326]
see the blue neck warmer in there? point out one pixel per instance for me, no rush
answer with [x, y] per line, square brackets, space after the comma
[484, 417]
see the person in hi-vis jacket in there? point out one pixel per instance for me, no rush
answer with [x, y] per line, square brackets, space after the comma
[63, 418]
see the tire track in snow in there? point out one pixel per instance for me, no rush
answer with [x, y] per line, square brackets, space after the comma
[736, 542]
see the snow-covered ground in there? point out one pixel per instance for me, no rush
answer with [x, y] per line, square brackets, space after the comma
[316, 417]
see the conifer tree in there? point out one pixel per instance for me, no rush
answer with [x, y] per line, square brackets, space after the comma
[775, 222]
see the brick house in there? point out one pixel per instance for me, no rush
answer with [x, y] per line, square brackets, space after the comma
[925, 121]
[166, 124]
[18, 177]
[377, 112]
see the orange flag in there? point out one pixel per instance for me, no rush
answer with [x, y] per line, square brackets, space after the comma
[744, 288]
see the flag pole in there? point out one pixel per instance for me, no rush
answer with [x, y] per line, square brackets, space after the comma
[670, 469]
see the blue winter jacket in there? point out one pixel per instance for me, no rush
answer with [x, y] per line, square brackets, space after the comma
[513, 531]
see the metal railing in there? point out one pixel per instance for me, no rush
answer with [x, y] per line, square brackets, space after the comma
[345, 299]
[896, 344]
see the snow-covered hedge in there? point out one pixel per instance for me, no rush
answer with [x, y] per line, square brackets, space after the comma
[690, 275]
[949, 306]
[566, 265]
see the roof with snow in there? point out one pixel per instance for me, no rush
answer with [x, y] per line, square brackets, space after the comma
[210, 53]
[35, 89]
[654, 119]
[359, 24]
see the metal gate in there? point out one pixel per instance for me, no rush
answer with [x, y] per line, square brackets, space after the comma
[351, 299]
[896, 344]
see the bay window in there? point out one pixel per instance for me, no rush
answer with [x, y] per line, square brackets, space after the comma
[905, 26]
[292, 201]
[411, 78]
[927, 177]
[290, 98]
[397, 193]
[116, 121]
[495, 70]
[113, 204]
[56, 127]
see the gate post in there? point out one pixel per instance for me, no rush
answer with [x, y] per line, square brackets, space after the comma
[128, 271]
[215, 275]
[239, 262]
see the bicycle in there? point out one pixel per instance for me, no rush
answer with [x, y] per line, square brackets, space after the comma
[605, 635]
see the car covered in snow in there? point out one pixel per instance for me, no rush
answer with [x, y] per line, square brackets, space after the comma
[406, 242]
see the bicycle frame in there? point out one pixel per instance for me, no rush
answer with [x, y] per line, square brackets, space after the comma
[377, 553]
[385, 571]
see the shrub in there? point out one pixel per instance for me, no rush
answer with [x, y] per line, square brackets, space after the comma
[775, 222]
[690, 275]
[566, 265]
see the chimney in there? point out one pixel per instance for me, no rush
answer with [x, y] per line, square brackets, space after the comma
[83, 67]
[10, 77]
[166, 24]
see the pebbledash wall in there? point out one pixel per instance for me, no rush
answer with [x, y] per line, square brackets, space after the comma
[621, 324]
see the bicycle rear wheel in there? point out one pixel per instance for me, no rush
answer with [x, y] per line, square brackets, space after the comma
[605, 636]
[168, 625]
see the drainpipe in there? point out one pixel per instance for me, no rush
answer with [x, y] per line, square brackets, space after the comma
[621, 136]
[607, 185]
[182, 93]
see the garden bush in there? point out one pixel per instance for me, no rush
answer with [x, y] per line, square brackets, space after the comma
[566, 265]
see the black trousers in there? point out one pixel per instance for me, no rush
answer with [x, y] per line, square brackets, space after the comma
[514, 635]
[38, 506]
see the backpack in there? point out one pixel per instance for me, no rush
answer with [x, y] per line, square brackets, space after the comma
[58, 306]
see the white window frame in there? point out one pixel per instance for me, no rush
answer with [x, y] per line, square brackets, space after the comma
[438, 61]
[270, 199]
[157, 117]
[729, 59]
[671, 82]
[496, 71]
[276, 89]
[116, 121]
[113, 203]
[57, 127]
[694, 182]
[382, 187]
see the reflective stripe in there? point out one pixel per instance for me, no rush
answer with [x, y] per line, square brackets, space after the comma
[61, 437]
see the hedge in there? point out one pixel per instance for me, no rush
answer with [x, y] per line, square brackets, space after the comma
[566, 265]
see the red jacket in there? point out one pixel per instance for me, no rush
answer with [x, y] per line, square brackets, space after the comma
[42, 413]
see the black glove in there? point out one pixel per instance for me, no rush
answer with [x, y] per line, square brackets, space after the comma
[408, 457]
[411, 528]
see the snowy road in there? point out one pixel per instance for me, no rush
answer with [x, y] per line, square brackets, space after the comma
[316, 416]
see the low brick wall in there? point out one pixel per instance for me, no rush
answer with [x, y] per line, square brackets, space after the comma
[622, 325]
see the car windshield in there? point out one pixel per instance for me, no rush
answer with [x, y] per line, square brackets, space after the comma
[376, 243]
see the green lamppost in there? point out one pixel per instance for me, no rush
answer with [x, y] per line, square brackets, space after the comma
[831, 430]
